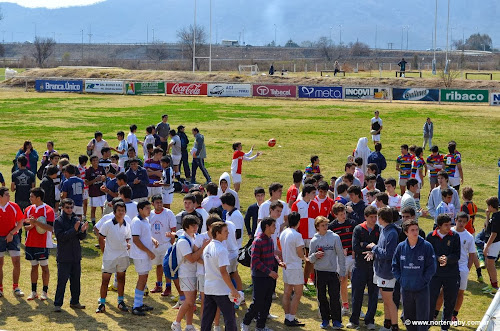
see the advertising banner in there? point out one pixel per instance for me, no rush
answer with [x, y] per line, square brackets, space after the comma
[415, 94]
[377, 93]
[187, 88]
[495, 99]
[449, 95]
[137, 88]
[44, 85]
[320, 92]
[229, 90]
[275, 91]
[104, 86]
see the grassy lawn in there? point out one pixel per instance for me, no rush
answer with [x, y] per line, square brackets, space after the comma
[302, 128]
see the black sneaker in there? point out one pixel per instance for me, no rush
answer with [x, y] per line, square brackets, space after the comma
[137, 311]
[101, 308]
[145, 308]
[293, 323]
[123, 307]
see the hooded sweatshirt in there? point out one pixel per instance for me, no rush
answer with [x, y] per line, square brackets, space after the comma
[226, 177]
[332, 246]
[384, 251]
[363, 152]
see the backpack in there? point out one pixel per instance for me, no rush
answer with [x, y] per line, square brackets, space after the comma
[245, 254]
[170, 263]
[41, 170]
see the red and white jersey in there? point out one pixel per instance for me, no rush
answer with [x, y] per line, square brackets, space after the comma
[82, 174]
[292, 193]
[325, 205]
[395, 201]
[33, 238]
[238, 157]
[308, 213]
[10, 214]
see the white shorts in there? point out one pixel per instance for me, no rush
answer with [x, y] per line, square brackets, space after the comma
[376, 137]
[98, 201]
[188, 284]
[349, 264]
[142, 266]
[78, 210]
[107, 208]
[454, 181]
[85, 194]
[384, 283]
[293, 276]
[233, 265]
[42, 263]
[167, 196]
[160, 252]
[236, 178]
[58, 194]
[154, 191]
[201, 283]
[464, 277]
[494, 250]
[176, 159]
[117, 265]
[12, 253]
[307, 242]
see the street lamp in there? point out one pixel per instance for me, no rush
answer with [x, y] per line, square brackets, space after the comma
[434, 44]
[340, 34]
[331, 28]
[275, 35]
[447, 31]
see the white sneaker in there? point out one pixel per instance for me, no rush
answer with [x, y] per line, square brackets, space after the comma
[44, 296]
[178, 305]
[345, 311]
[244, 327]
[175, 327]
[190, 328]
[351, 325]
[370, 326]
[17, 292]
[33, 296]
[271, 316]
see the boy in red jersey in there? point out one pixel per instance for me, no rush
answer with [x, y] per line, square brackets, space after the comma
[324, 202]
[293, 190]
[470, 209]
[236, 164]
[38, 240]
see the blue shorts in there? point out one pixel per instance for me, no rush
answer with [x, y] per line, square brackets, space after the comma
[37, 253]
[14, 245]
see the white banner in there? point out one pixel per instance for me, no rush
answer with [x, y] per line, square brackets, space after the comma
[229, 90]
[378, 93]
[103, 86]
[495, 99]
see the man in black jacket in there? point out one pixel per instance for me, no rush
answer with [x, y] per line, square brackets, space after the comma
[48, 186]
[69, 231]
[185, 155]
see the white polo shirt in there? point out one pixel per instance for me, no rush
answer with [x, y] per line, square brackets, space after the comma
[237, 219]
[467, 246]
[131, 209]
[211, 201]
[108, 217]
[204, 216]
[162, 223]
[140, 228]
[186, 269]
[116, 239]
[215, 256]
[198, 242]
[231, 243]
[290, 239]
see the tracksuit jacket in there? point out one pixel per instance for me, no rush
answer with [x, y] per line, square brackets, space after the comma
[384, 251]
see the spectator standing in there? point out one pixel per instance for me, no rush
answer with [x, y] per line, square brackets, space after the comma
[377, 158]
[376, 127]
[363, 152]
[163, 129]
[402, 67]
[185, 156]
[23, 180]
[428, 133]
[199, 154]
[31, 156]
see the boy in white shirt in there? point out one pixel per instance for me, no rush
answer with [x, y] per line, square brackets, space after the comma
[446, 206]
[394, 198]
[167, 182]
[212, 200]
[132, 138]
[142, 252]
[114, 237]
[371, 180]
[200, 210]
[149, 139]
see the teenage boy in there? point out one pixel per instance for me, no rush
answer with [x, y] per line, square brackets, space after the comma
[69, 230]
[434, 164]
[275, 192]
[121, 149]
[358, 173]
[378, 158]
[95, 145]
[356, 206]
[343, 196]
[132, 139]
[37, 249]
[23, 180]
[48, 186]
[94, 178]
[413, 265]
[187, 271]
[175, 144]
[238, 157]
[154, 170]
[149, 139]
[114, 242]
[211, 200]
[225, 187]
[446, 244]
[470, 209]
[382, 253]
[197, 205]
[376, 127]
[82, 167]
[252, 214]
[324, 202]
[72, 188]
[185, 155]
[453, 166]
[189, 209]
[492, 246]
[327, 255]
[403, 166]
[132, 155]
[394, 198]
[445, 206]
[264, 267]
[372, 169]
[105, 160]
[217, 282]
[418, 171]
[293, 191]
[167, 182]
[350, 167]
[435, 197]
[141, 251]
[371, 180]
[12, 217]
[362, 274]
[408, 200]
[292, 246]
[138, 180]
[199, 156]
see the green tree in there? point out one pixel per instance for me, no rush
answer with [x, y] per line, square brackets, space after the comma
[291, 43]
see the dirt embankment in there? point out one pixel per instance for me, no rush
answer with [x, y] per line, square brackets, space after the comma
[310, 78]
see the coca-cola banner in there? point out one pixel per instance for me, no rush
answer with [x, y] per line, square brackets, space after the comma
[187, 88]
[280, 91]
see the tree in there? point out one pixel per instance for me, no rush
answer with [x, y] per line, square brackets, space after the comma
[43, 49]
[324, 45]
[307, 43]
[291, 43]
[477, 41]
[185, 36]
[449, 77]
[157, 51]
[360, 49]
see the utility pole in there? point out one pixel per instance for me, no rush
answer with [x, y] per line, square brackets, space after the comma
[376, 36]
[82, 44]
[90, 34]
[147, 34]
[194, 36]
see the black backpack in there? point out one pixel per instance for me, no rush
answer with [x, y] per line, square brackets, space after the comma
[245, 254]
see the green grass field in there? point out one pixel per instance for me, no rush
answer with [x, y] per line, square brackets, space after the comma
[302, 128]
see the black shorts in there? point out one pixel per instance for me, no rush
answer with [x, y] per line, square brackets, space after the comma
[14, 245]
[37, 253]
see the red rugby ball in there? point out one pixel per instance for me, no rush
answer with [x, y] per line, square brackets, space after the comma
[271, 142]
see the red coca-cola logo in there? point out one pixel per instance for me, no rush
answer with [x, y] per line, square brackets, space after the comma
[187, 88]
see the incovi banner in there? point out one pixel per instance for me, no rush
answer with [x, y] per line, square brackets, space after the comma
[380, 93]
[187, 88]
[415, 94]
[43, 85]
[281, 91]
[229, 90]
[320, 92]
[145, 88]
[104, 86]
[464, 95]
[495, 99]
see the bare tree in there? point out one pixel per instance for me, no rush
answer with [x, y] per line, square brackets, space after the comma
[185, 36]
[359, 49]
[42, 49]
[449, 77]
[157, 51]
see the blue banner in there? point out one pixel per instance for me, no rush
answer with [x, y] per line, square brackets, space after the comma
[43, 85]
[320, 92]
[415, 94]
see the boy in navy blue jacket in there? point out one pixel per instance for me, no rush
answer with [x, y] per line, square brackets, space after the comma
[414, 265]
[446, 244]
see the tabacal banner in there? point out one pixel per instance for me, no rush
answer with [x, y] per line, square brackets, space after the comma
[320, 92]
[187, 88]
[137, 88]
[450, 95]
[229, 90]
[46, 85]
[104, 86]
[415, 94]
[275, 91]
[379, 93]
[495, 99]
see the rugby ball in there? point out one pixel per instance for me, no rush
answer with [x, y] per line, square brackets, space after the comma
[271, 142]
[373, 132]
[43, 220]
